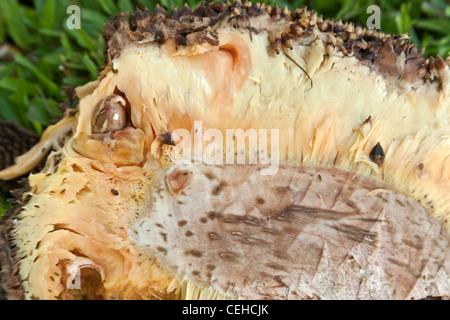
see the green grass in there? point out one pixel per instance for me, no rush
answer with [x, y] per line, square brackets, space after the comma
[39, 55]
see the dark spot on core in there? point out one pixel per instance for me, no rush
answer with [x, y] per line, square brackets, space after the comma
[272, 231]
[63, 191]
[229, 256]
[164, 236]
[276, 266]
[210, 267]
[282, 255]
[377, 154]
[351, 203]
[166, 138]
[212, 215]
[320, 177]
[194, 253]
[214, 236]
[217, 190]
[182, 223]
[260, 201]
[115, 192]
[399, 202]
[210, 176]
[189, 233]
[282, 189]
[203, 220]
[253, 241]
[416, 245]
[161, 249]
[195, 273]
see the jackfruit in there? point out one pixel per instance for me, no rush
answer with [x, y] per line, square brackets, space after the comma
[341, 191]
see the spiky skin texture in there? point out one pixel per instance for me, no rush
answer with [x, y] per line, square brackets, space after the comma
[360, 204]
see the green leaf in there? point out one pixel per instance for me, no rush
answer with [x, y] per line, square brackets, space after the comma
[51, 86]
[11, 14]
[431, 9]
[83, 39]
[126, 6]
[8, 110]
[108, 6]
[37, 127]
[12, 83]
[52, 59]
[20, 95]
[436, 25]
[49, 32]
[48, 14]
[4, 205]
[39, 112]
[95, 17]
[150, 4]
[403, 20]
[2, 30]
[90, 65]
[68, 49]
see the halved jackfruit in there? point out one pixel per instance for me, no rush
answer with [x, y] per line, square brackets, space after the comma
[345, 195]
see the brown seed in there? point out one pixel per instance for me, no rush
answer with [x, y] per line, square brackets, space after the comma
[110, 115]
[166, 138]
[377, 154]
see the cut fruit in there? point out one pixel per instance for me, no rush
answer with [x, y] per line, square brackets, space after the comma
[240, 151]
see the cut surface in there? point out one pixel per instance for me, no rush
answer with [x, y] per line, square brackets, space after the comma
[134, 201]
[304, 233]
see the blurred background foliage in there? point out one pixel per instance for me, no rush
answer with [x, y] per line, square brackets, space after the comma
[39, 55]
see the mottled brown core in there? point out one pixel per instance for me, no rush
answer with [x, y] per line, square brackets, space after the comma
[302, 233]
